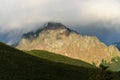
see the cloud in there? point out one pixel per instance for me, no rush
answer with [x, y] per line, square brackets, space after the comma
[15, 13]
[23, 15]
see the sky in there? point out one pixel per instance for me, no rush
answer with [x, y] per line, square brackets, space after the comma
[99, 18]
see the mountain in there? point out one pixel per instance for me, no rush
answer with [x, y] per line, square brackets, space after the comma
[18, 65]
[57, 38]
[117, 44]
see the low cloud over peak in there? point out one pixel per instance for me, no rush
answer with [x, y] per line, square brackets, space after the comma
[23, 15]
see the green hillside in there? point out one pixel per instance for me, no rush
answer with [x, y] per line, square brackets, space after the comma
[59, 58]
[17, 65]
[115, 65]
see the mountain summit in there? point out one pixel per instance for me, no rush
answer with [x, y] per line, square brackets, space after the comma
[48, 26]
[57, 38]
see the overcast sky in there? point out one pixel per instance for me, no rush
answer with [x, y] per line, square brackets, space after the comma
[24, 14]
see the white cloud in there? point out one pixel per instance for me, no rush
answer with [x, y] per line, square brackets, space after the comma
[16, 14]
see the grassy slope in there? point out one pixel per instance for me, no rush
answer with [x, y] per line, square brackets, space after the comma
[16, 65]
[59, 58]
[115, 66]
[62, 59]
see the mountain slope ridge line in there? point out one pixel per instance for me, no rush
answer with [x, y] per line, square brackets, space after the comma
[57, 38]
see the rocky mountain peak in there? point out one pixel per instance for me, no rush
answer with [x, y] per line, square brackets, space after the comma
[46, 28]
[54, 25]
[57, 38]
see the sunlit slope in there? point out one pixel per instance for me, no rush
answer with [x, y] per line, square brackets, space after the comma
[115, 65]
[59, 58]
[57, 38]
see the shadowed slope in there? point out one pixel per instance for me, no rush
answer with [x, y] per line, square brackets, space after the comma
[17, 65]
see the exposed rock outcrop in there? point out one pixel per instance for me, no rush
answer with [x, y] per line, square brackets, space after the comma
[55, 37]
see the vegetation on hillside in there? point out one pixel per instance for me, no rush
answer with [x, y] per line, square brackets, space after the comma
[59, 58]
[18, 65]
[115, 65]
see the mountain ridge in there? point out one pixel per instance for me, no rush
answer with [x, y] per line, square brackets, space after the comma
[46, 26]
[57, 38]
[116, 44]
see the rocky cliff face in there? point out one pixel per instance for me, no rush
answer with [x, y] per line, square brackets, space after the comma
[55, 37]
